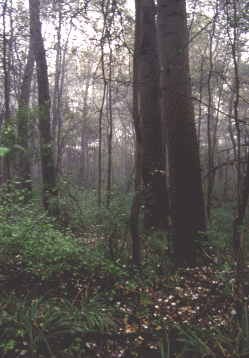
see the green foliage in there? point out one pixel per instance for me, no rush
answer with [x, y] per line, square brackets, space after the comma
[21, 240]
[220, 231]
[29, 238]
[114, 222]
[8, 138]
[8, 142]
[4, 151]
[111, 223]
[157, 255]
[42, 324]
[229, 341]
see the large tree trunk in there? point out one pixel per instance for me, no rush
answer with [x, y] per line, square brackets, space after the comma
[47, 160]
[187, 205]
[154, 150]
[139, 150]
[23, 134]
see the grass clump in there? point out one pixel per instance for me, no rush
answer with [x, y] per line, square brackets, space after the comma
[46, 327]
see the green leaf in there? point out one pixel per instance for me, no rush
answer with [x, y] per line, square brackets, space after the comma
[4, 151]
[227, 290]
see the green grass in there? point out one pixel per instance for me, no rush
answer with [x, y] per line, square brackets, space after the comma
[43, 325]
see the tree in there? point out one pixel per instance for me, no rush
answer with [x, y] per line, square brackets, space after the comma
[154, 148]
[187, 205]
[211, 144]
[109, 136]
[24, 167]
[47, 160]
[84, 130]
[6, 70]
[242, 186]
[139, 152]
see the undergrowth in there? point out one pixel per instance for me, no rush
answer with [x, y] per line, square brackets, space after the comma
[80, 279]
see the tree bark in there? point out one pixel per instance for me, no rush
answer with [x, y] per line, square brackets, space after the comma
[6, 70]
[209, 134]
[23, 133]
[187, 205]
[242, 187]
[56, 94]
[100, 140]
[239, 245]
[154, 149]
[109, 137]
[84, 167]
[59, 78]
[139, 150]
[47, 160]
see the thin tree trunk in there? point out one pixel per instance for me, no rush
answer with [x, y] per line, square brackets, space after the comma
[23, 132]
[110, 132]
[6, 70]
[242, 190]
[209, 135]
[57, 122]
[47, 160]
[237, 124]
[139, 151]
[56, 98]
[201, 93]
[100, 143]
[6, 67]
[239, 242]
[230, 113]
[83, 172]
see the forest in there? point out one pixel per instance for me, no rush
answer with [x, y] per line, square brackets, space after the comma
[124, 178]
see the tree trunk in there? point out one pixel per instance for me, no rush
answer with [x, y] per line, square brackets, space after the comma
[187, 205]
[47, 160]
[100, 143]
[209, 134]
[59, 77]
[201, 94]
[83, 171]
[154, 149]
[110, 133]
[139, 151]
[56, 96]
[239, 244]
[242, 187]
[23, 133]
[6, 70]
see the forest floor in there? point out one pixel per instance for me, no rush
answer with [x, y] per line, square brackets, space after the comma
[201, 299]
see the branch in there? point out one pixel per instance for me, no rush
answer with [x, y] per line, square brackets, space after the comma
[228, 162]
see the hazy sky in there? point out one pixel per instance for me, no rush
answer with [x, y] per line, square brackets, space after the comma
[131, 5]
